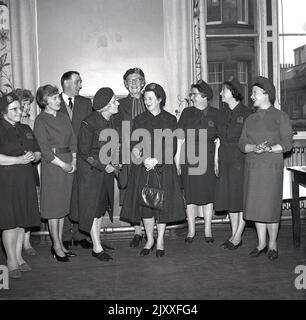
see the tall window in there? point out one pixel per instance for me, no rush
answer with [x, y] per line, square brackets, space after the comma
[215, 79]
[214, 11]
[242, 72]
[232, 47]
[242, 11]
[292, 41]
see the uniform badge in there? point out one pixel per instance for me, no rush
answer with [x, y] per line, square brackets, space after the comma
[240, 120]
[9, 99]
[211, 124]
[29, 135]
[152, 86]
[91, 160]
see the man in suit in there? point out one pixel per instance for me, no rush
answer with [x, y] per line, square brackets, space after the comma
[77, 108]
[130, 107]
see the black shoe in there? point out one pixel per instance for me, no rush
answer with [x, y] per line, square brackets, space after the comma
[209, 239]
[70, 254]
[135, 241]
[256, 253]
[67, 244]
[102, 255]
[160, 253]
[145, 251]
[225, 244]
[189, 239]
[57, 257]
[84, 243]
[272, 254]
[106, 247]
[232, 246]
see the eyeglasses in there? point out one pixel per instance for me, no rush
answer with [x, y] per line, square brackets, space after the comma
[136, 81]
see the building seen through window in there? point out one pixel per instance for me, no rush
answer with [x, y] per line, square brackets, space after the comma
[231, 44]
[292, 48]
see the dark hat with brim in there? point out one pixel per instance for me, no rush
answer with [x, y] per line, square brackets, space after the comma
[102, 98]
[267, 85]
[133, 71]
[236, 85]
[205, 88]
[158, 90]
[6, 99]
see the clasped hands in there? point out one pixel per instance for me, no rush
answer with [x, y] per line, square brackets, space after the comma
[261, 147]
[150, 163]
[69, 167]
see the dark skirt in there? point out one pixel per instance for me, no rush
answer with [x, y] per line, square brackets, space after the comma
[229, 187]
[92, 197]
[19, 203]
[199, 189]
[174, 209]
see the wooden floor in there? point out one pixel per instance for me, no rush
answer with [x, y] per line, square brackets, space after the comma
[188, 271]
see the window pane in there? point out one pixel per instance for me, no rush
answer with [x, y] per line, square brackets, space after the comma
[293, 61]
[231, 13]
[213, 10]
[234, 57]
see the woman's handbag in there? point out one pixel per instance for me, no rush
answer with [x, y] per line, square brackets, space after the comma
[152, 197]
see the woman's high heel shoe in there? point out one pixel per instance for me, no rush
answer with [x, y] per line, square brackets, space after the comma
[145, 251]
[256, 253]
[57, 257]
[160, 253]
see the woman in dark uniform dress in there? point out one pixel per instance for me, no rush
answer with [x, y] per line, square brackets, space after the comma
[199, 189]
[155, 117]
[58, 145]
[266, 135]
[26, 98]
[229, 188]
[19, 204]
[95, 179]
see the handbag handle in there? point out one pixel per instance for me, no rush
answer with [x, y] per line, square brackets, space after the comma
[158, 181]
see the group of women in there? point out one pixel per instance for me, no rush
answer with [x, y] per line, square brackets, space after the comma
[244, 156]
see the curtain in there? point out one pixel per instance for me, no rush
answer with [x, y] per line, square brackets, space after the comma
[24, 46]
[177, 52]
[5, 50]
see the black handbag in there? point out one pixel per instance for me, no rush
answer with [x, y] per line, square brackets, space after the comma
[152, 197]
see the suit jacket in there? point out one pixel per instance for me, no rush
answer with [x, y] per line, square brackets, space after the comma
[81, 109]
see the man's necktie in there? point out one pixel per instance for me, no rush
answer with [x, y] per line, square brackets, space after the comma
[70, 105]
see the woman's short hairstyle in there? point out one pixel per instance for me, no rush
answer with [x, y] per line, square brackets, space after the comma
[24, 94]
[158, 91]
[236, 92]
[43, 93]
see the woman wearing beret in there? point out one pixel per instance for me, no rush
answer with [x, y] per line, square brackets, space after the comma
[266, 135]
[58, 146]
[230, 162]
[199, 189]
[156, 166]
[19, 204]
[26, 98]
[95, 179]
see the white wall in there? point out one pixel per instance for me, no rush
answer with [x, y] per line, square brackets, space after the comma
[100, 39]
